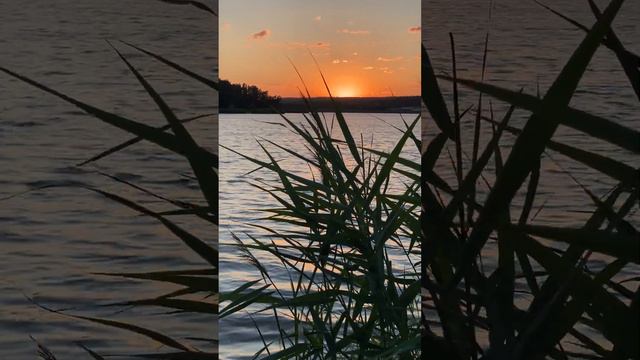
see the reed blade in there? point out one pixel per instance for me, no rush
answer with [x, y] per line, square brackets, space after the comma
[534, 138]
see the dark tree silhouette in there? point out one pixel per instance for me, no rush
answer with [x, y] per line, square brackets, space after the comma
[243, 96]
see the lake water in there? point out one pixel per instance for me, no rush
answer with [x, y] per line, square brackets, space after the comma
[52, 241]
[242, 204]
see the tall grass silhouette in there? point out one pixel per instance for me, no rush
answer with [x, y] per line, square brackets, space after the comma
[348, 244]
[470, 311]
[197, 288]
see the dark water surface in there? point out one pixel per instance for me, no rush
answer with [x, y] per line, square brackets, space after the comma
[51, 241]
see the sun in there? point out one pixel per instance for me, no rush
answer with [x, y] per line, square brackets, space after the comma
[347, 91]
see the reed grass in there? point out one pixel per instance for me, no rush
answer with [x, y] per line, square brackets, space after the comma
[473, 311]
[347, 242]
[196, 289]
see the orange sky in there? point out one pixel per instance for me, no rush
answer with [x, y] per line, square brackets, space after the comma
[364, 47]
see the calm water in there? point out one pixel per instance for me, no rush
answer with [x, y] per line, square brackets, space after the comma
[51, 241]
[241, 204]
[528, 46]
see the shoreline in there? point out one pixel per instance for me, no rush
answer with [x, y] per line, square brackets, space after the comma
[399, 104]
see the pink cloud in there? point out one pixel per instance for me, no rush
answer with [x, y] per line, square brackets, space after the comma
[414, 29]
[321, 45]
[304, 45]
[354, 32]
[262, 34]
[386, 59]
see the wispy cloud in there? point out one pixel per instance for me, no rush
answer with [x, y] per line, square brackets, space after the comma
[389, 59]
[317, 18]
[339, 61]
[262, 34]
[304, 45]
[368, 68]
[320, 45]
[354, 32]
[414, 29]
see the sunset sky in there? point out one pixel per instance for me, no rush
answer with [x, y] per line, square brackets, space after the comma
[364, 47]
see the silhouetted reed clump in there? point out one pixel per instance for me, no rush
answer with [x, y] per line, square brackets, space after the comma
[541, 299]
[348, 244]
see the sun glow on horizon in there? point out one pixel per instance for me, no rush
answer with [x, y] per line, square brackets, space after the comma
[347, 91]
[360, 54]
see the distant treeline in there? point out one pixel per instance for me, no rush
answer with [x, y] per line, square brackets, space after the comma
[246, 97]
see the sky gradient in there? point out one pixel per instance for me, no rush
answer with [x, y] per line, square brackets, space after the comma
[364, 47]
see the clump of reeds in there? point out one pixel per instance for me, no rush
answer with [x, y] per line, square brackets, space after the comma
[572, 311]
[335, 233]
[197, 289]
